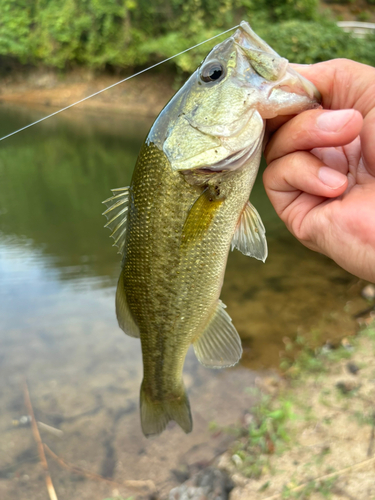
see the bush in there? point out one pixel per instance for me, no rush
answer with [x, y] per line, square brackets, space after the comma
[128, 33]
[282, 10]
[311, 42]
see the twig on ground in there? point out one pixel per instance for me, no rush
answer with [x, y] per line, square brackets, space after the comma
[132, 484]
[52, 430]
[38, 440]
[359, 465]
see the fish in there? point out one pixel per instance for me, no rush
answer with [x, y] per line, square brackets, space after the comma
[187, 205]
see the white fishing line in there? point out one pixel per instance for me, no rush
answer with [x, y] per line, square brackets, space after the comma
[114, 84]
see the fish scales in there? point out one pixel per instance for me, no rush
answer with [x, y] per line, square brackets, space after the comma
[179, 288]
[187, 204]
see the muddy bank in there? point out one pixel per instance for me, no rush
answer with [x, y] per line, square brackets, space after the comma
[144, 95]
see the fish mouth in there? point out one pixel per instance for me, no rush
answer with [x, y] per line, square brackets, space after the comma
[295, 83]
[281, 76]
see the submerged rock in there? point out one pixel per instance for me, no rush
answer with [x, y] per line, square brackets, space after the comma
[209, 484]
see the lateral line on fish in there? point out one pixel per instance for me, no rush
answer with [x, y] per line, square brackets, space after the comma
[115, 84]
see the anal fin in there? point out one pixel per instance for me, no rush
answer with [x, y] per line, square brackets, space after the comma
[219, 346]
[124, 316]
[250, 235]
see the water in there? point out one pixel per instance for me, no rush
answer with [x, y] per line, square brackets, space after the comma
[58, 274]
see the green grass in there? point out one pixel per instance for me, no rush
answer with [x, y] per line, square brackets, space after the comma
[323, 487]
[267, 434]
[301, 357]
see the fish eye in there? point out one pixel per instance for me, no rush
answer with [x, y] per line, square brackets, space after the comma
[212, 72]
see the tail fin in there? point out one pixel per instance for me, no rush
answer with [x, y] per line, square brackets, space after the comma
[156, 414]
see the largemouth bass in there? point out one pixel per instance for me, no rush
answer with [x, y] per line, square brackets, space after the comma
[187, 204]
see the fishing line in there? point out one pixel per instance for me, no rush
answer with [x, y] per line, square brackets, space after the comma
[114, 84]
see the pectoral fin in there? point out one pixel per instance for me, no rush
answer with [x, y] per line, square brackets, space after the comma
[250, 235]
[200, 217]
[124, 316]
[219, 345]
[117, 213]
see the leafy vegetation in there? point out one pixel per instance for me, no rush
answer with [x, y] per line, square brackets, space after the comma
[324, 488]
[307, 42]
[302, 357]
[265, 435]
[123, 34]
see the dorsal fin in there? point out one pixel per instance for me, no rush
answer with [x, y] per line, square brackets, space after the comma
[117, 214]
[219, 345]
[250, 235]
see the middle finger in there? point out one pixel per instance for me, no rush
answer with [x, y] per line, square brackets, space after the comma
[314, 129]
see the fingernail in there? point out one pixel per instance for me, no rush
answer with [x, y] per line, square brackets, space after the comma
[334, 121]
[331, 178]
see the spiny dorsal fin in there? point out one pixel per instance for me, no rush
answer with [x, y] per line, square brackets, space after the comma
[250, 235]
[124, 316]
[117, 213]
[219, 345]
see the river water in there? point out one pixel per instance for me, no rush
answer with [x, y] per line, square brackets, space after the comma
[58, 330]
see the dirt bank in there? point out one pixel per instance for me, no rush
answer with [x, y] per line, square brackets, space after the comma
[312, 435]
[144, 95]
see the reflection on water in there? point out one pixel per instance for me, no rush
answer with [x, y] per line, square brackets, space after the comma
[57, 322]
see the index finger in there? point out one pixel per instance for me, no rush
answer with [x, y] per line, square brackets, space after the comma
[342, 83]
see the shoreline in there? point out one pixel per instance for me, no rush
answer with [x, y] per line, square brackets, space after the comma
[145, 95]
[310, 436]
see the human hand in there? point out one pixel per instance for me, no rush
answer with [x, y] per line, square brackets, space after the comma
[321, 167]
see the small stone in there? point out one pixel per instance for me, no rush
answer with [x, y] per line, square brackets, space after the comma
[347, 386]
[248, 419]
[368, 292]
[352, 368]
[209, 484]
[25, 420]
[237, 460]
[182, 474]
[346, 344]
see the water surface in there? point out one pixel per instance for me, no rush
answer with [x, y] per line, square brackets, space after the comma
[58, 274]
